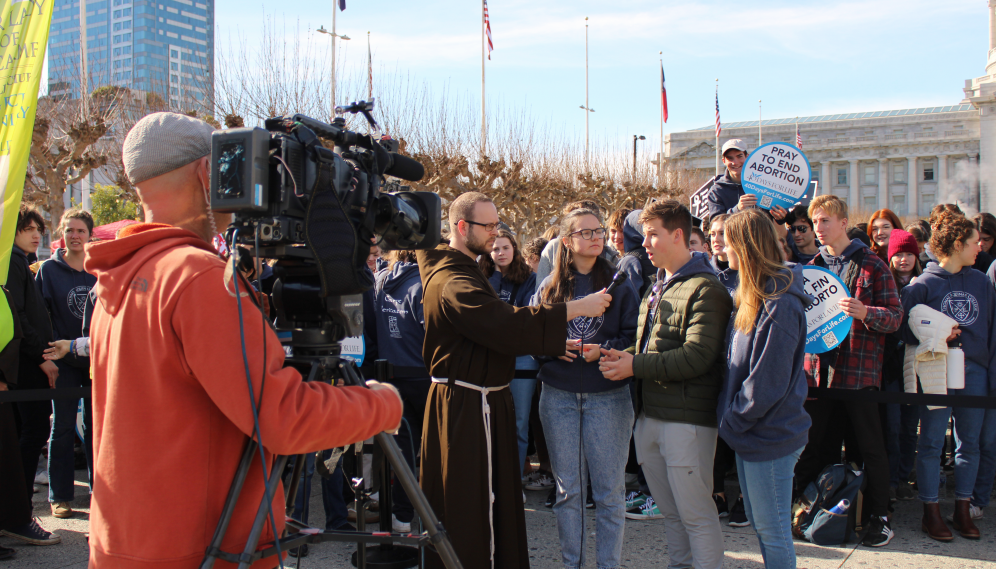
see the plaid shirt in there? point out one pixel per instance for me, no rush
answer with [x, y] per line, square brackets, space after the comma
[859, 358]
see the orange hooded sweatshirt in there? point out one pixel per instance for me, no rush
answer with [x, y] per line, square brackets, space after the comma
[172, 408]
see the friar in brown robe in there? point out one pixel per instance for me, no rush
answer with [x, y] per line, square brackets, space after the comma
[471, 341]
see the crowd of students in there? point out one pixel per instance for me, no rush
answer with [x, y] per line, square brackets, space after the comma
[698, 368]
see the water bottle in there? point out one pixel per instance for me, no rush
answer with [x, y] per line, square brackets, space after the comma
[841, 507]
[956, 365]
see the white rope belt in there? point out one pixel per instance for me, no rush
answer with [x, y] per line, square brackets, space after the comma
[485, 413]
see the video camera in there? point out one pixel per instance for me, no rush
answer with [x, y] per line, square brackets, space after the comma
[318, 211]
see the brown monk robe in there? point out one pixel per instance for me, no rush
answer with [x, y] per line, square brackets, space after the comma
[472, 336]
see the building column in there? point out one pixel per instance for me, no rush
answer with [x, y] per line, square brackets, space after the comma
[912, 193]
[976, 189]
[942, 179]
[853, 197]
[825, 182]
[883, 183]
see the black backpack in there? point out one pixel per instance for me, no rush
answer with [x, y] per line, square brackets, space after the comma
[812, 519]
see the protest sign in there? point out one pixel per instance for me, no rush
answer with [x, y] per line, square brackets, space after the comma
[826, 323]
[697, 203]
[354, 349]
[777, 173]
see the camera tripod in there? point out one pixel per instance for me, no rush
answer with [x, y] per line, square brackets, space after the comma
[296, 533]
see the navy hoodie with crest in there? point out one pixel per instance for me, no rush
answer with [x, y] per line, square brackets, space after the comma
[66, 293]
[615, 329]
[399, 317]
[969, 298]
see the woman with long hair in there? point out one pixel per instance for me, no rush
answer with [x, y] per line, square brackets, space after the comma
[900, 422]
[515, 283]
[951, 286]
[880, 226]
[587, 419]
[761, 414]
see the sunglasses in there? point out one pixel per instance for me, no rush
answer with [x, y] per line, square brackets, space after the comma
[800, 229]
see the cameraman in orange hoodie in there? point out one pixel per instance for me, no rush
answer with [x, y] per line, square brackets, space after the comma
[171, 403]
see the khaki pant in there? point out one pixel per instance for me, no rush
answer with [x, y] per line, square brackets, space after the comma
[677, 461]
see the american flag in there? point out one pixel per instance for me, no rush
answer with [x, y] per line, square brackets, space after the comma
[487, 27]
[663, 93]
[719, 127]
[798, 137]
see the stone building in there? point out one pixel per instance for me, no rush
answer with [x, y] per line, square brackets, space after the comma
[906, 160]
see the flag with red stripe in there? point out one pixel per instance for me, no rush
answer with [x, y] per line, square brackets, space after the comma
[798, 137]
[487, 29]
[719, 128]
[663, 94]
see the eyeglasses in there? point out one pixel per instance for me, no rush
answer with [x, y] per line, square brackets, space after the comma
[800, 229]
[589, 234]
[489, 227]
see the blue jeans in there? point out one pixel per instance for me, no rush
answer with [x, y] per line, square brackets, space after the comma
[767, 491]
[901, 422]
[588, 432]
[522, 398]
[333, 499]
[971, 432]
[987, 458]
[61, 458]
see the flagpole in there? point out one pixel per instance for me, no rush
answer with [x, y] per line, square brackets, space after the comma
[370, 77]
[760, 141]
[660, 157]
[718, 172]
[484, 47]
[334, 10]
[586, 105]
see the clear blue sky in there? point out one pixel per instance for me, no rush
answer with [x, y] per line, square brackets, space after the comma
[801, 58]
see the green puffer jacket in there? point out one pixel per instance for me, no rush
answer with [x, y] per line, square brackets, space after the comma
[680, 374]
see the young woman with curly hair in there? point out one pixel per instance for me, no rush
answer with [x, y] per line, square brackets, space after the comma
[953, 287]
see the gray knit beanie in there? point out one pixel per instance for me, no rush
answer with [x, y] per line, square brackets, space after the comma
[163, 142]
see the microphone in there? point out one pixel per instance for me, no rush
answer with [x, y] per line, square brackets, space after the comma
[617, 279]
[405, 168]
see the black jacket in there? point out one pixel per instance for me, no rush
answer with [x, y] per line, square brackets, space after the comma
[36, 328]
[724, 196]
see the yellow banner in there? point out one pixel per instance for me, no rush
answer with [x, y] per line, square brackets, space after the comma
[24, 28]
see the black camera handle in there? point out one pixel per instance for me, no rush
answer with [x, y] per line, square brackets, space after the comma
[299, 533]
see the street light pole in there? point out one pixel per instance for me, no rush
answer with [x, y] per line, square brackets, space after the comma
[635, 138]
[333, 35]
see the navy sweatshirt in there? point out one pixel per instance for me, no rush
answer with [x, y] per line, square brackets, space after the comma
[522, 297]
[969, 298]
[66, 293]
[399, 318]
[615, 329]
[760, 411]
[729, 277]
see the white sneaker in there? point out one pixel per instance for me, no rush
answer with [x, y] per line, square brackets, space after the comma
[398, 526]
[975, 511]
[41, 477]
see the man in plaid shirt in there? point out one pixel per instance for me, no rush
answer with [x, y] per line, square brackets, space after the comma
[855, 364]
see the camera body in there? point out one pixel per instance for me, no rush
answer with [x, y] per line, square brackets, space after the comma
[317, 211]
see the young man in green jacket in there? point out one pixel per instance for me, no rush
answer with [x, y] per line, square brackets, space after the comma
[678, 365]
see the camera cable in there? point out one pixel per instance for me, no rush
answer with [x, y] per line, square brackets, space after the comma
[257, 432]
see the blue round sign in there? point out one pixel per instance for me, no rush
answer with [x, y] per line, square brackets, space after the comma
[826, 323]
[777, 173]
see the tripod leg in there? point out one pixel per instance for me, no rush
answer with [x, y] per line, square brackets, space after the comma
[262, 513]
[421, 504]
[299, 463]
[233, 495]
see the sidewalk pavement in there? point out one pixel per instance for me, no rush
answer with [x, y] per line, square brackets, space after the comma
[645, 546]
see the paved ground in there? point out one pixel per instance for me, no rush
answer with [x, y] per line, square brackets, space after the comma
[645, 545]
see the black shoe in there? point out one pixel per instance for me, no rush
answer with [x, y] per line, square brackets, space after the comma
[6, 553]
[32, 533]
[721, 506]
[589, 502]
[879, 532]
[551, 498]
[738, 515]
[344, 527]
[301, 551]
